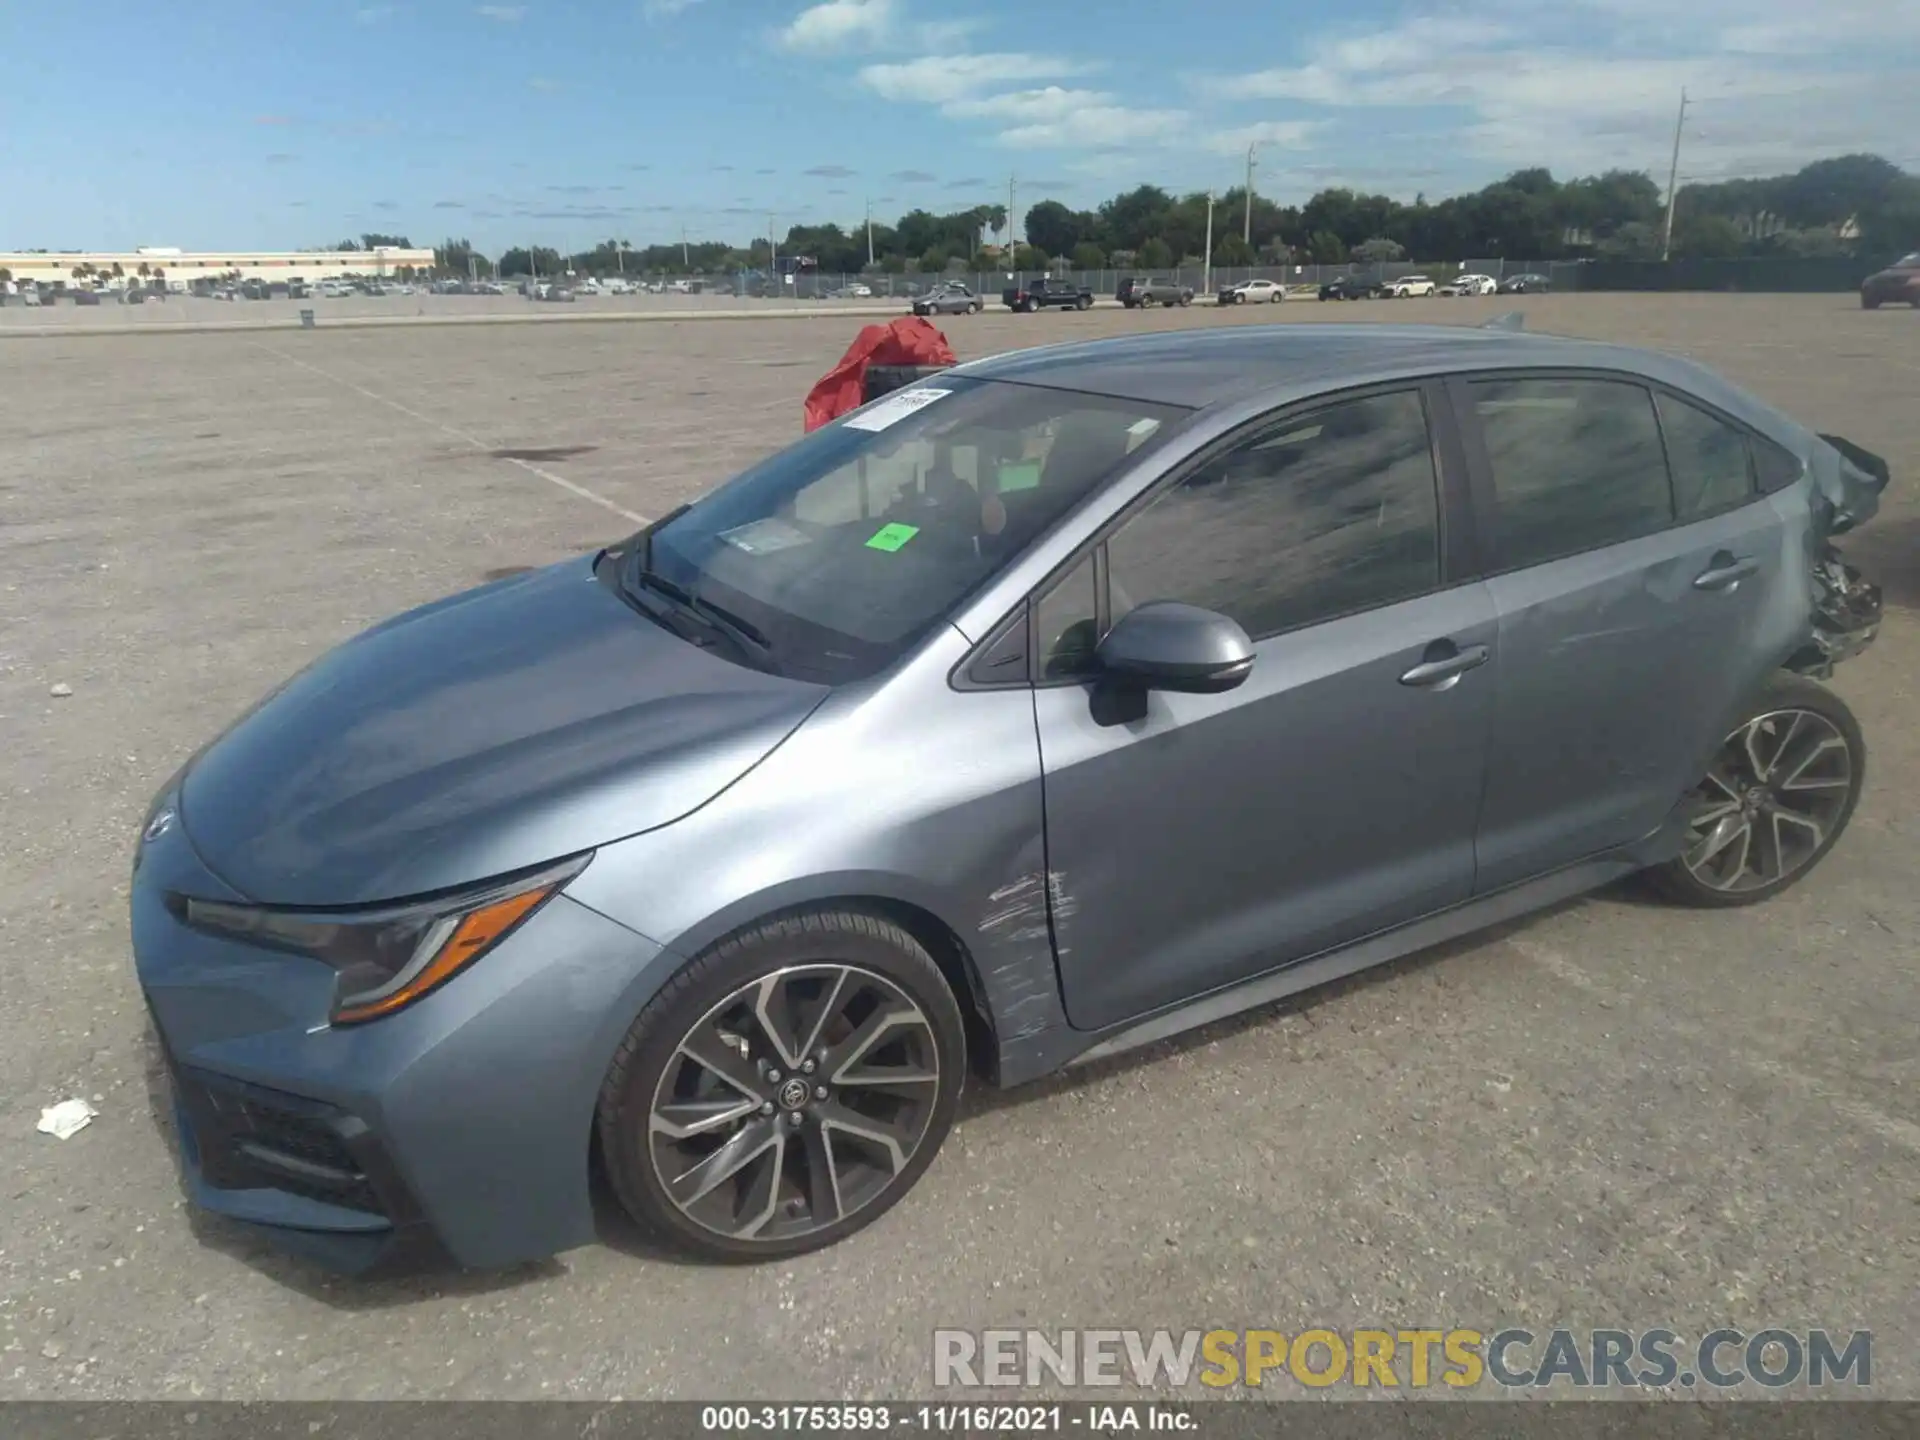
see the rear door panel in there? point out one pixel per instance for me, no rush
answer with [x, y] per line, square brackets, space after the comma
[1616, 678]
[1618, 673]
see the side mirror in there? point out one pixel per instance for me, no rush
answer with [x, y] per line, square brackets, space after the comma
[1167, 645]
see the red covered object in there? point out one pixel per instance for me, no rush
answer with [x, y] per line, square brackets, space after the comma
[910, 340]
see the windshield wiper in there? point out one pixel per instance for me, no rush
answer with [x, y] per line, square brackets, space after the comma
[745, 635]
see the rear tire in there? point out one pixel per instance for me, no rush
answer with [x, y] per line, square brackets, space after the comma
[1783, 786]
[815, 1059]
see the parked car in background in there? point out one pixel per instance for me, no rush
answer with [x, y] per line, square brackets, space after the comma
[1136, 292]
[1351, 287]
[1042, 294]
[1252, 292]
[635, 864]
[1470, 285]
[1898, 284]
[1528, 284]
[559, 294]
[949, 299]
[1403, 287]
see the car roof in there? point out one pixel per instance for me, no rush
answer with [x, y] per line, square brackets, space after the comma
[1201, 369]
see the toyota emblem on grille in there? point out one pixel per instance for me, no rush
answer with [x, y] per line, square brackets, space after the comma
[158, 826]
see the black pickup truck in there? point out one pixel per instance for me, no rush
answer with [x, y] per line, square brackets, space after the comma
[1031, 295]
[1138, 291]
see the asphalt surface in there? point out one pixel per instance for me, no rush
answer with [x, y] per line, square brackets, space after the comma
[1612, 1114]
[186, 313]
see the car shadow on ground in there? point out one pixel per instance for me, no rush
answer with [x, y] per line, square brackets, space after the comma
[1888, 553]
[981, 1099]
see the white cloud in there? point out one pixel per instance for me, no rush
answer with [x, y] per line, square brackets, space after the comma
[667, 9]
[1775, 84]
[943, 79]
[1051, 103]
[504, 14]
[1096, 126]
[840, 26]
[1274, 134]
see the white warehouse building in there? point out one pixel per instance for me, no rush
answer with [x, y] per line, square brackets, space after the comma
[178, 269]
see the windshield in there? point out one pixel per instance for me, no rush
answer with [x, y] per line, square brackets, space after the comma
[846, 548]
[1906, 262]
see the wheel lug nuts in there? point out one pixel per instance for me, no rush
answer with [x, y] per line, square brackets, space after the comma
[793, 1117]
[819, 1092]
[806, 1067]
[766, 1107]
[773, 1076]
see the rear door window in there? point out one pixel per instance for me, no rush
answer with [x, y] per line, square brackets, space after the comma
[1576, 464]
[1711, 461]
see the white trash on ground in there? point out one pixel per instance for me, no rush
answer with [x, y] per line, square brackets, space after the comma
[67, 1119]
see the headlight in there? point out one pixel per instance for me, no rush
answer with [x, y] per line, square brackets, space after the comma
[390, 957]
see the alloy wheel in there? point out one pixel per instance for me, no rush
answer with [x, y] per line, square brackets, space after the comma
[1774, 796]
[794, 1103]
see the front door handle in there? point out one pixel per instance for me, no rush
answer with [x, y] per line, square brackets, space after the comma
[1724, 572]
[1443, 671]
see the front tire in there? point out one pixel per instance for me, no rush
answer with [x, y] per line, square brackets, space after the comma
[785, 1089]
[1779, 794]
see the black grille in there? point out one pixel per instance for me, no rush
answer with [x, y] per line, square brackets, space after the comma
[252, 1138]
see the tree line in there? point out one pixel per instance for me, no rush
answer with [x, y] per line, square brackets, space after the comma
[1852, 204]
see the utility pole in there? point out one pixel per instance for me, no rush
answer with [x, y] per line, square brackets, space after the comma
[869, 234]
[685, 264]
[1206, 278]
[1673, 180]
[1246, 230]
[1010, 241]
[620, 257]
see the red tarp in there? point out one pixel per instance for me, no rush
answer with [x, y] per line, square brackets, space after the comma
[910, 340]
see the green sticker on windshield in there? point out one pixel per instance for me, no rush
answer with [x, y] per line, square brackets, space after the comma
[892, 537]
[1020, 477]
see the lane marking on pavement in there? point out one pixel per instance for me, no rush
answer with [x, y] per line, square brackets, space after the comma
[1890, 1128]
[571, 487]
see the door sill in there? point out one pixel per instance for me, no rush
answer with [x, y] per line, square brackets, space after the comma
[1464, 919]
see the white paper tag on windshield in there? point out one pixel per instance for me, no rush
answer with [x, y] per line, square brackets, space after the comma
[892, 409]
[763, 537]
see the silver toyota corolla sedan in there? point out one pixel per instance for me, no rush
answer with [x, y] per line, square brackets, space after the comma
[1060, 702]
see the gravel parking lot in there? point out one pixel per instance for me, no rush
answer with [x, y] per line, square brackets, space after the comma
[1615, 1114]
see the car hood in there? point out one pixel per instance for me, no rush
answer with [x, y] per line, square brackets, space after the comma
[1894, 275]
[487, 732]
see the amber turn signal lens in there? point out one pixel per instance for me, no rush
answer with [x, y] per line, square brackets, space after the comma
[472, 937]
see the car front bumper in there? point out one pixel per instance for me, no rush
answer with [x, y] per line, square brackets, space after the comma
[460, 1127]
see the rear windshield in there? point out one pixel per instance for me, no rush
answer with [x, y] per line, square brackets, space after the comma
[847, 547]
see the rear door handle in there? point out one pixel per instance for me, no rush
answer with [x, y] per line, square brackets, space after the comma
[1724, 572]
[1443, 672]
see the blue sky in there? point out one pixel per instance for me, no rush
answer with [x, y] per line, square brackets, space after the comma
[566, 121]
